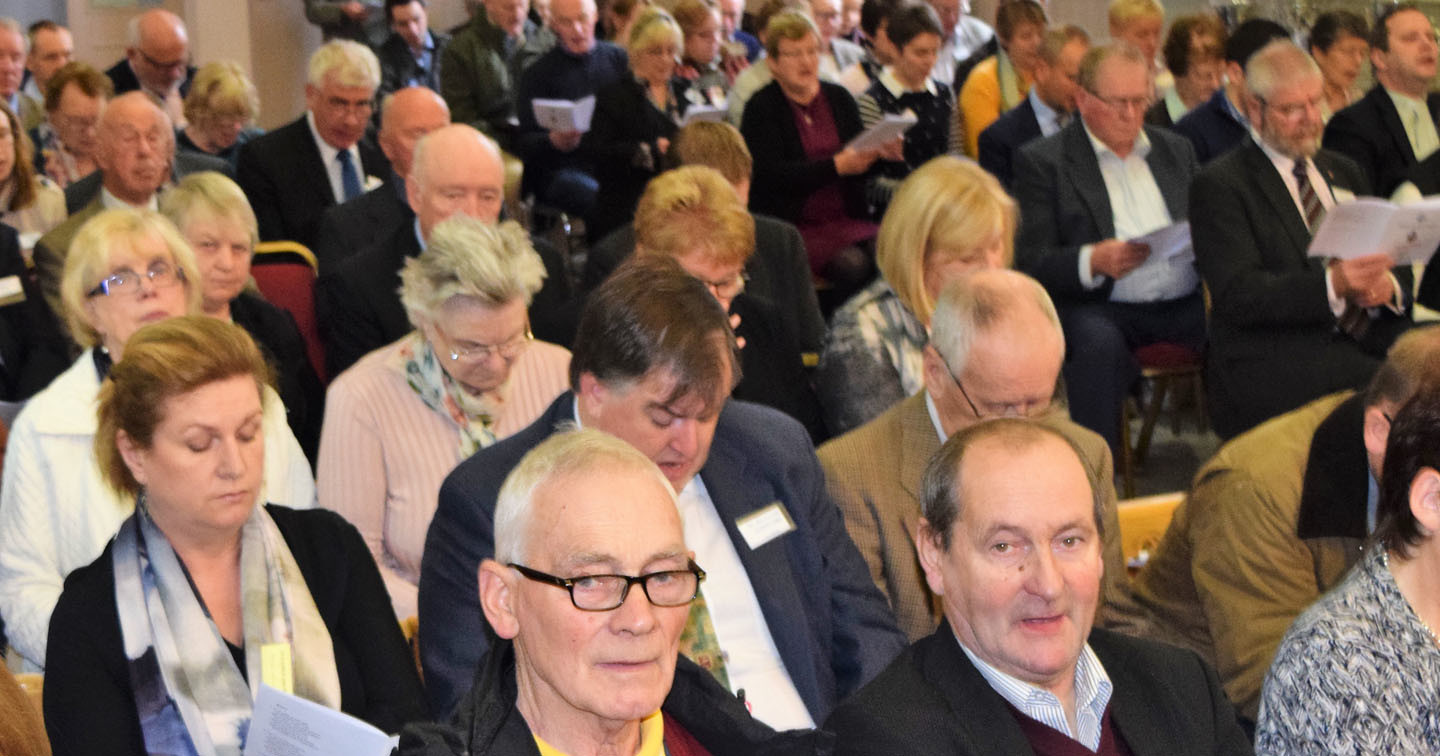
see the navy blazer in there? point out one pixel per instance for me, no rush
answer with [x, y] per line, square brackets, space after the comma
[1370, 133]
[830, 624]
[1211, 128]
[1064, 204]
[1000, 140]
[1273, 341]
[285, 179]
[932, 701]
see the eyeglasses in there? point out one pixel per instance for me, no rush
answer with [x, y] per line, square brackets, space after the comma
[1010, 409]
[1124, 104]
[1295, 110]
[472, 353]
[360, 107]
[161, 275]
[602, 593]
[164, 65]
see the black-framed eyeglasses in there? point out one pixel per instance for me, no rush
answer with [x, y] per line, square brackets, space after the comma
[602, 593]
[161, 275]
[164, 65]
[1016, 409]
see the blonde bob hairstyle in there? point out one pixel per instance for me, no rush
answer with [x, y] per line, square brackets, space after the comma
[464, 257]
[162, 361]
[209, 195]
[652, 29]
[350, 63]
[88, 262]
[221, 89]
[951, 204]
[693, 208]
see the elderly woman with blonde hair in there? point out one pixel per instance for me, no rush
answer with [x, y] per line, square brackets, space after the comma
[470, 374]
[126, 268]
[947, 219]
[220, 110]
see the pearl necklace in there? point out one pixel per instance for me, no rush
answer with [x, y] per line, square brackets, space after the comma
[1385, 558]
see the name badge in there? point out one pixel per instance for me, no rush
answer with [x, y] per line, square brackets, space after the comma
[11, 291]
[276, 669]
[765, 525]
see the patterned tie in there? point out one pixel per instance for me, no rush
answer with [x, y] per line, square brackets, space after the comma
[1309, 200]
[699, 643]
[349, 177]
[1353, 319]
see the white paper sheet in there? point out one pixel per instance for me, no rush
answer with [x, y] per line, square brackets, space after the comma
[286, 725]
[695, 113]
[565, 115]
[1409, 234]
[883, 132]
[1171, 242]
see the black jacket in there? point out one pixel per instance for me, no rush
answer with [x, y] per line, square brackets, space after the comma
[349, 227]
[34, 348]
[784, 177]
[279, 338]
[1370, 133]
[486, 722]
[124, 79]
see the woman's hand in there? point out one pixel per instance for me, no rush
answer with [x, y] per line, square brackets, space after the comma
[850, 162]
[894, 151]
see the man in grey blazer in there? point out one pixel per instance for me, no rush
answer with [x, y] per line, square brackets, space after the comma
[1085, 194]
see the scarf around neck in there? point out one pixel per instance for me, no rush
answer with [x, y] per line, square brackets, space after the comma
[473, 416]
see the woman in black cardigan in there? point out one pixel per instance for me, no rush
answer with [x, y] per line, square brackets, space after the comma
[157, 646]
[796, 129]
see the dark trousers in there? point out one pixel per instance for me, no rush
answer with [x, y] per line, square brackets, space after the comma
[1100, 341]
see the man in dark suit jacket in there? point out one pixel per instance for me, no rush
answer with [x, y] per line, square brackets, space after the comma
[1051, 100]
[410, 56]
[1016, 668]
[357, 304]
[292, 174]
[33, 346]
[1374, 132]
[1083, 192]
[653, 362]
[1279, 335]
[351, 226]
[83, 192]
[157, 61]
[1218, 124]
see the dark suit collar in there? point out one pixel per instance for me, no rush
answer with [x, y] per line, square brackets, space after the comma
[1085, 174]
[1272, 187]
[1379, 98]
[308, 161]
[1336, 491]
[1132, 705]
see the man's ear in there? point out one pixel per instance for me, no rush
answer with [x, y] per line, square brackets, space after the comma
[932, 555]
[497, 598]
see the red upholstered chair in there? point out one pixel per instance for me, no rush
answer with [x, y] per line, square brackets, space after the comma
[285, 273]
[1170, 368]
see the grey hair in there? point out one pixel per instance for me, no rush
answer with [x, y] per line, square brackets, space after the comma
[9, 24]
[1278, 63]
[351, 63]
[570, 452]
[465, 257]
[974, 303]
[941, 486]
[1096, 57]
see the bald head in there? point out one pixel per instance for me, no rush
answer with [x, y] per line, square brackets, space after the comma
[456, 170]
[158, 50]
[134, 147]
[405, 117]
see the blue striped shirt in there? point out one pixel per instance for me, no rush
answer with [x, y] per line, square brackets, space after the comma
[1092, 695]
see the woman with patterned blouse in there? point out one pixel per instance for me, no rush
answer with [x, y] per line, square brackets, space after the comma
[1357, 672]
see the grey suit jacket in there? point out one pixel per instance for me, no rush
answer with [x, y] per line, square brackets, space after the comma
[873, 473]
[1064, 205]
[80, 193]
[51, 250]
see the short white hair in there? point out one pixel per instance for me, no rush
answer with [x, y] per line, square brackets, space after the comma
[567, 453]
[1276, 64]
[11, 25]
[971, 305]
[350, 63]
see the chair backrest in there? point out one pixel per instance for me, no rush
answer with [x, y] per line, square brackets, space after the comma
[34, 686]
[410, 626]
[285, 273]
[1142, 524]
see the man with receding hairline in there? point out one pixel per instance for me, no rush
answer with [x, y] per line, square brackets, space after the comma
[1010, 542]
[157, 61]
[51, 47]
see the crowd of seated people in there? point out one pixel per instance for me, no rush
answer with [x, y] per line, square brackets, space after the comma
[806, 443]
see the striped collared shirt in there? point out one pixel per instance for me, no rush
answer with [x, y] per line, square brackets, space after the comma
[1092, 695]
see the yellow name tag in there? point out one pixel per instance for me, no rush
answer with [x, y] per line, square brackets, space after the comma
[276, 669]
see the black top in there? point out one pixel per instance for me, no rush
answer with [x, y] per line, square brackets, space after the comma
[784, 177]
[33, 346]
[122, 76]
[279, 338]
[89, 705]
[622, 144]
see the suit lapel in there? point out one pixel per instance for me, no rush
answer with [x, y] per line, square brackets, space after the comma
[1085, 175]
[312, 164]
[1273, 188]
[1029, 123]
[1133, 710]
[1393, 125]
[1174, 185]
[918, 442]
[975, 708]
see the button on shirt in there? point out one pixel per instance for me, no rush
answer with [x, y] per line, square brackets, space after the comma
[1419, 126]
[328, 157]
[751, 659]
[1092, 695]
[1138, 208]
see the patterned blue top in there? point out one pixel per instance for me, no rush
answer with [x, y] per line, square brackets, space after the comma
[1356, 674]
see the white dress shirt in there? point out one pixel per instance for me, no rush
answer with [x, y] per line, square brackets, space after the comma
[329, 157]
[1138, 208]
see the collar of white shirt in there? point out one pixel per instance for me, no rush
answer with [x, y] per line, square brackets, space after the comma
[1140, 148]
[328, 157]
[111, 202]
[1092, 694]
[888, 80]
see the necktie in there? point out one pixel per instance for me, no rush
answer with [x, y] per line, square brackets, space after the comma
[349, 177]
[1309, 200]
[699, 643]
